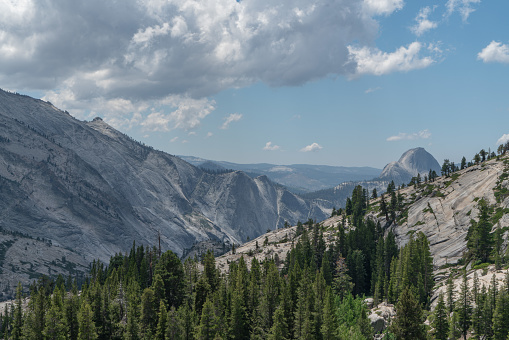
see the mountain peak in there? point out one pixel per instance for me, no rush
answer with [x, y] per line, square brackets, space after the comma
[412, 162]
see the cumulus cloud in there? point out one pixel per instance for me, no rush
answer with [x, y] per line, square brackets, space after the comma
[209, 134]
[96, 54]
[142, 49]
[382, 7]
[373, 61]
[495, 52]
[503, 140]
[233, 117]
[424, 134]
[463, 7]
[311, 147]
[271, 147]
[423, 23]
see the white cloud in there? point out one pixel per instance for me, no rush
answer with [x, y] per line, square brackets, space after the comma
[495, 52]
[174, 139]
[187, 114]
[153, 49]
[503, 140]
[423, 23]
[311, 147]
[139, 53]
[234, 117]
[370, 90]
[424, 134]
[209, 134]
[382, 7]
[463, 7]
[374, 61]
[270, 147]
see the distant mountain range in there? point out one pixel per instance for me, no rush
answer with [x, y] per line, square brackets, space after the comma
[299, 178]
[412, 162]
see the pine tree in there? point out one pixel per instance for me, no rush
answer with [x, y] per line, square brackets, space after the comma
[279, 329]
[408, 321]
[18, 314]
[440, 322]
[208, 322]
[55, 321]
[464, 306]
[162, 321]
[501, 316]
[329, 326]
[174, 327]
[450, 294]
[87, 329]
[148, 317]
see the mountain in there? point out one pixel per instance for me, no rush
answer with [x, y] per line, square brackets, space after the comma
[87, 187]
[443, 210]
[299, 178]
[412, 162]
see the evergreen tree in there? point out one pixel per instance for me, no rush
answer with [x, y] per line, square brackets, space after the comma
[440, 322]
[87, 329]
[162, 322]
[329, 326]
[464, 306]
[208, 322]
[408, 321]
[279, 329]
[18, 314]
[501, 316]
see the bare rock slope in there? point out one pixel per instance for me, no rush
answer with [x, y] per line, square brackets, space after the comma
[90, 188]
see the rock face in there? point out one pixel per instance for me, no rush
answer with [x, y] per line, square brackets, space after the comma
[442, 210]
[412, 162]
[88, 187]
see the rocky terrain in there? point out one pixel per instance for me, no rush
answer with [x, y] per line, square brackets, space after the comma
[88, 187]
[442, 210]
[24, 259]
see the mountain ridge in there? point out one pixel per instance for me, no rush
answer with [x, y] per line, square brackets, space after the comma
[98, 189]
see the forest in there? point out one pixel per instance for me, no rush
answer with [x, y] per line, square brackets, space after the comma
[316, 292]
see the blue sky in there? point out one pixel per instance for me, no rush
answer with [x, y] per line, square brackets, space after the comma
[338, 82]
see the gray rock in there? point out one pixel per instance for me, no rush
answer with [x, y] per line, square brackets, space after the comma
[377, 322]
[93, 189]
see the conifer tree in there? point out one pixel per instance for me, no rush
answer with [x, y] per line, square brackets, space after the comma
[87, 329]
[440, 322]
[329, 326]
[208, 322]
[18, 314]
[464, 306]
[162, 321]
[408, 321]
[501, 316]
[279, 329]
[174, 327]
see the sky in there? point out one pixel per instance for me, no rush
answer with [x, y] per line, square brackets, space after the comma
[335, 82]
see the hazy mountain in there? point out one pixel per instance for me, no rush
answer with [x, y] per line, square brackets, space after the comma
[412, 162]
[299, 178]
[90, 188]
